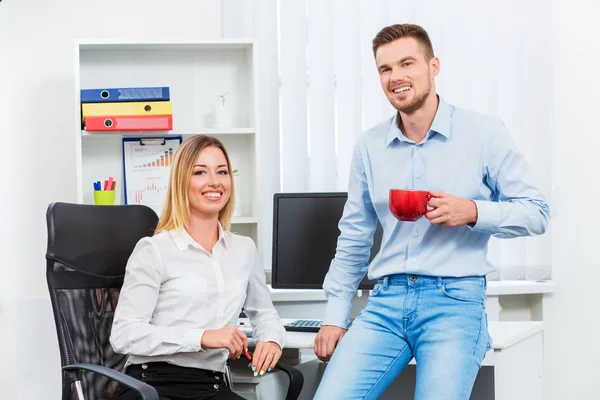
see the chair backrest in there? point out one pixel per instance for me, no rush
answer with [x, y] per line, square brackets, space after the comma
[88, 249]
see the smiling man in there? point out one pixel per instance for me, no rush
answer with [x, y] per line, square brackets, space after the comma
[429, 301]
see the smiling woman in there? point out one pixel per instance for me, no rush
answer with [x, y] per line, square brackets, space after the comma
[200, 184]
[211, 183]
[185, 286]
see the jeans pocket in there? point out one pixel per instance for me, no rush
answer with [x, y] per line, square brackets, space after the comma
[376, 290]
[466, 290]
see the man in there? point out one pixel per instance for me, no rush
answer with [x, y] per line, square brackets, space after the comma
[429, 302]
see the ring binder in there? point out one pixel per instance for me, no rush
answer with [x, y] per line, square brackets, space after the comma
[136, 108]
[129, 123]
[105, 95]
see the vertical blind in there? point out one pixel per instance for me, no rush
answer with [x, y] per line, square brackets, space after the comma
[496, 58]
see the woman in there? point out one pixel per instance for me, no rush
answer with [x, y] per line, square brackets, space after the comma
[185, 286]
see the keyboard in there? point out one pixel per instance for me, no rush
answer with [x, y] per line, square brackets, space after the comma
[303, 325]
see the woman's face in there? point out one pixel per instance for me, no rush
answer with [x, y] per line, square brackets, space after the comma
[210, 184]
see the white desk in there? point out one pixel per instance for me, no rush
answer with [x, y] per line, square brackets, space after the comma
[516, 359]
[494, 288]
[523, 300]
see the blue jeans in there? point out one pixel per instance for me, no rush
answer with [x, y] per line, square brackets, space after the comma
[441, 322]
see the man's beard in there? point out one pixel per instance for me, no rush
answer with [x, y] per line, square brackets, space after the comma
[416, 103]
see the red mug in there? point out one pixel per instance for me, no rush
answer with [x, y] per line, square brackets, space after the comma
[409, 205]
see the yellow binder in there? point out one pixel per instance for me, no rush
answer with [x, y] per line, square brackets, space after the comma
[127, 108]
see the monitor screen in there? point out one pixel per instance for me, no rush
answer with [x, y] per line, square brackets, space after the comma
[305, 234]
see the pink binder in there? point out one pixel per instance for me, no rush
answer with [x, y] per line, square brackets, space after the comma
[129, 123]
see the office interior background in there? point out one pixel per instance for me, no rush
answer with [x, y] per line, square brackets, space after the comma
[532, 63]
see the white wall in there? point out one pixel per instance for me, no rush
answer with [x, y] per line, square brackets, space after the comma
[572, 353]
[37, 111]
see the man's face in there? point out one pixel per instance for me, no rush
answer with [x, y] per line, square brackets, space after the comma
[406, 75]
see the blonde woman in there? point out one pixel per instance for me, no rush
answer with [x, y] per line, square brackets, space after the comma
[185, 286]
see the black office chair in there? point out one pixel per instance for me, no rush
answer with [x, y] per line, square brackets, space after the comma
[88, 249]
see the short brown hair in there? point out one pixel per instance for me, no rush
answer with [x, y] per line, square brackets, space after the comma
[395, 32]
[176, 210]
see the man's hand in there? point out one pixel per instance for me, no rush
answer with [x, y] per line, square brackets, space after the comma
[230, 338]
[326, 341]
[450, 210]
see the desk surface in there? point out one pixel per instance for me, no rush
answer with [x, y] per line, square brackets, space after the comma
[495, 288]
[504, 334]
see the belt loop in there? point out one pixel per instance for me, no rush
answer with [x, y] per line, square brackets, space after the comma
[386, 283]
[440, 282]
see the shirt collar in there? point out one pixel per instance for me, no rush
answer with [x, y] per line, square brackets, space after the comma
[441, 123]
[183, 240]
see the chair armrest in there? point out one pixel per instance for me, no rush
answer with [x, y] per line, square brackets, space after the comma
[146, 391]
[296, 380]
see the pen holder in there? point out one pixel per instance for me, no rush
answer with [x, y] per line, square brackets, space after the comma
[104, 197]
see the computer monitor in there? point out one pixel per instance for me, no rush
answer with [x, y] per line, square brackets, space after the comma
[305, 234]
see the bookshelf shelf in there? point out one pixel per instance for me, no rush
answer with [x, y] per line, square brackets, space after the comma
[197, 73]
[202, 131]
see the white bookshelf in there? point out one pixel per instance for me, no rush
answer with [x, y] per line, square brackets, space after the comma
[207, 131]
[196, 72]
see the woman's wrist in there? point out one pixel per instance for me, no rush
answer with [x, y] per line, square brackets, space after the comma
[275, 343]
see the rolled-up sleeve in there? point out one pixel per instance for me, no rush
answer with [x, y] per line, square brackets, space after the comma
[266, 325]
[518, 207]
[132, 333]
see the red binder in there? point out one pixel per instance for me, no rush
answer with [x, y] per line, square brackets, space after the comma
[129, 123]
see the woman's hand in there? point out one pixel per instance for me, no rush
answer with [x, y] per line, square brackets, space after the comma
[265, 357]
[230, 338]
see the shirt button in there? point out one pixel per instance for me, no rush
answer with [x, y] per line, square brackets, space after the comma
[217, 377]
[144, 366]
[413, 261]
[419, 176]
[416, 235]
[144, 375]
[216, 386]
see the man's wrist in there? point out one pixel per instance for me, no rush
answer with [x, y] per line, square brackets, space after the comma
[474, 214]
[334, 326]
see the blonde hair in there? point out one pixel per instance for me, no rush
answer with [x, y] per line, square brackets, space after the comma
[176, 210]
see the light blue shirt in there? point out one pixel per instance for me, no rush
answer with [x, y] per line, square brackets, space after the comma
[466, 154]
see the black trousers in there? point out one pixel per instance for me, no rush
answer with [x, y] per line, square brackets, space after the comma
[179, 383]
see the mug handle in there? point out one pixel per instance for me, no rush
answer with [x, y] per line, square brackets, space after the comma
[429, 197]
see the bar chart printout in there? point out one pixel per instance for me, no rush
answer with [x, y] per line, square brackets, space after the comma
[146, 166]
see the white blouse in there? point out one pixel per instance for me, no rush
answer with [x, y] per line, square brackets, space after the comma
[174, 290]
